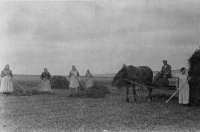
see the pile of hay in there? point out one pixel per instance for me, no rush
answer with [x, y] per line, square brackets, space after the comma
[59, 82]
[96, 91]
[194, 73]
[29, 92]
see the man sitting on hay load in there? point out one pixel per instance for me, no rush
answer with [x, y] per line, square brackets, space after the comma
[165, 73]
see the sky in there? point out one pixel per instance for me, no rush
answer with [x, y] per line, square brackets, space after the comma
[100, 35]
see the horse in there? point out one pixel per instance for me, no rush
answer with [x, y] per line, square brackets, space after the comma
[141, 74]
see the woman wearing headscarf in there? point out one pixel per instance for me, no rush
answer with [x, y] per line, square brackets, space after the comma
[181, 82]
[6, 80]
[89, 80]
[45, 76]
[74, 81]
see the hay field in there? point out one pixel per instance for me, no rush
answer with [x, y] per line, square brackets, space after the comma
[59, 113]
[56, 112]
[35, 80]
[104, 79]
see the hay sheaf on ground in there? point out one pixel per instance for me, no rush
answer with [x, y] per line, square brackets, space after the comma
[194, 73]
[28, 92]
[59, 82]
[96, 91]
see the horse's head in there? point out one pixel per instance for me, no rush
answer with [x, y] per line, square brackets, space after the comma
[120, 76]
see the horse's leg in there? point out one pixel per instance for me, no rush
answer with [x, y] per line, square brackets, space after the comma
[134, 92]
[150, 94]
[127, 92]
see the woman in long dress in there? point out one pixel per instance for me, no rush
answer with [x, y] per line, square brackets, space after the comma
[89, 80]
[74, 81]
[181, 80]
[46, 85]
[6, 80]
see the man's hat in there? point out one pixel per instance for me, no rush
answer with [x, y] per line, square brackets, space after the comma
[164, 60]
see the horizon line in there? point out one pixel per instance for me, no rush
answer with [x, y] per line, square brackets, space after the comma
[84, 75]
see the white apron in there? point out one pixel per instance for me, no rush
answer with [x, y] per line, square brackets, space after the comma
[89, 81]
[184, 92]
[6, 84]
[46, 85]
[74, 83]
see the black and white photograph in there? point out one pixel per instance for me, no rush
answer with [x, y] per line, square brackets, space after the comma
[100, 66]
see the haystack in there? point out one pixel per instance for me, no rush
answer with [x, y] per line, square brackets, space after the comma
[194, 73]
[96, 91]
[59, 82]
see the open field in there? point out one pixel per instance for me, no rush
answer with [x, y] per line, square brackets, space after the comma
[105, 79]
[35, 80]
[56, 112]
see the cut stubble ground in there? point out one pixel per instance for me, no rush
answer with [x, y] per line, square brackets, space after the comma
[57, 112]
